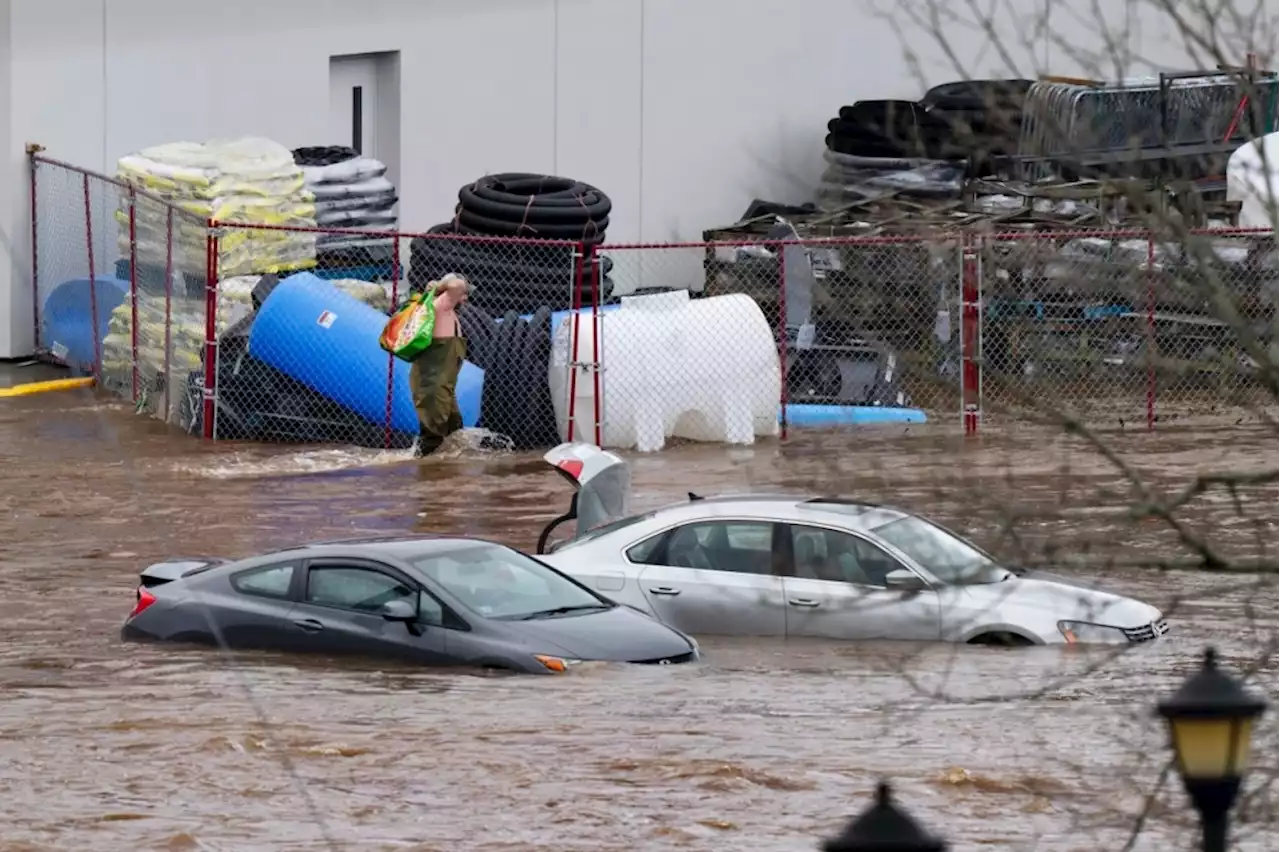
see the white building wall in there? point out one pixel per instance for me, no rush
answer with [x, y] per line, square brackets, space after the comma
[682, 110]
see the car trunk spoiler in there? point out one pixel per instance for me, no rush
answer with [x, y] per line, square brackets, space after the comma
[602, 486]
[175, 569]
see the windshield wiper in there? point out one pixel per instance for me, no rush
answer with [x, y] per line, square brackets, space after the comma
[564, 610]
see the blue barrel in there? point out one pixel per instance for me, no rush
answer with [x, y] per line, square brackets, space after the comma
[66, 320]
[313, 332]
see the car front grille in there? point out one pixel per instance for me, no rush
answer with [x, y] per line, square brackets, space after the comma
[666, 661]
[1147, 632]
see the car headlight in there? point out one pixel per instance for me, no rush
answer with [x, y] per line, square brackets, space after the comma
[555, 664]
[1084, 633]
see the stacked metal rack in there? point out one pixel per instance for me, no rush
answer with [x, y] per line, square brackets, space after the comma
[1171, 125]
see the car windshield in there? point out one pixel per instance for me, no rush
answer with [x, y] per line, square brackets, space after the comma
[948, 557]
[498, 582]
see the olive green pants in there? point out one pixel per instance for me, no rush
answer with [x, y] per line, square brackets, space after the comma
[433, 379]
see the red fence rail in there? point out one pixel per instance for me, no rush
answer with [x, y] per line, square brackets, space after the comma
[1115, 325]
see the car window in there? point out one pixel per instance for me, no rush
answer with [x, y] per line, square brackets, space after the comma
[947, 556]
[823, 554]
[272, 581]
[498, 582]
[357, 588]
[740, 547]
[644, 552]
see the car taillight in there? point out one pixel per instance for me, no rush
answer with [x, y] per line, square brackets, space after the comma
[145, 599]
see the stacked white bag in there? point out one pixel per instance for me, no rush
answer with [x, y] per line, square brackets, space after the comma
[242, 181]
[352, 192]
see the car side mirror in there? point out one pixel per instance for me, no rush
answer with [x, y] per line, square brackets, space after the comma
[399, 610]
[901, 578]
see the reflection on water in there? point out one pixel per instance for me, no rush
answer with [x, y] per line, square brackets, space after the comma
[766, 745]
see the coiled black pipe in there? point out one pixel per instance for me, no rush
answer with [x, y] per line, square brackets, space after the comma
[508, 276]
[534, 206]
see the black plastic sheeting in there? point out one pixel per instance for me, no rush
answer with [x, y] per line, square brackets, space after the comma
[256, 402]
[514, 354]
[323, 155]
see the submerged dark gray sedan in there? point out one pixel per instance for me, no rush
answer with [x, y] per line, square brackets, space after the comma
[430, 600]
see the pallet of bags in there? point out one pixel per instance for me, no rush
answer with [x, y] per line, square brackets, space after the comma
[186, 330]
[243, 181]
[352, 193]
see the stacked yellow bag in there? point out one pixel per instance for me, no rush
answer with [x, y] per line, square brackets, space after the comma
[187, 330]
[250, 181]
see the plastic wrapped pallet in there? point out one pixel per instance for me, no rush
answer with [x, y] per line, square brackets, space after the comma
[351, 192]
[187, 328]
[248, 181]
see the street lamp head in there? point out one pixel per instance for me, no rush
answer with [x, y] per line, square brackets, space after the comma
[883, 827]
[1210, 721]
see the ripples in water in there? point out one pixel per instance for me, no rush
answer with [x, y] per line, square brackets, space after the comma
[765, 745]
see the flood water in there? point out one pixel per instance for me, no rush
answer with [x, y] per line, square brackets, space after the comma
[766, 745]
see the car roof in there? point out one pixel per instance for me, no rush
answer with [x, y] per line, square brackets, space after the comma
[847, 512]
[393, 545]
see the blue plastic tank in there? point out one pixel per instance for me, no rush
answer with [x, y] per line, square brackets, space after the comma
[313, 332]
[66, 322]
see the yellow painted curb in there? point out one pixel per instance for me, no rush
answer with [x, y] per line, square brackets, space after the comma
[33, 388]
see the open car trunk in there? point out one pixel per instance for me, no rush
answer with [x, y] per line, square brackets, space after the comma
[601, 484]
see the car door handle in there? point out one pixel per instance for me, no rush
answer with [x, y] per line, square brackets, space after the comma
[804, 602]
[664, 590]
[310, 625]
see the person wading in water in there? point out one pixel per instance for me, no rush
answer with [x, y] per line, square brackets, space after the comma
[433, 375]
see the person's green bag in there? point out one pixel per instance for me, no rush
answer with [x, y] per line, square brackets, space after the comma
[409, 330]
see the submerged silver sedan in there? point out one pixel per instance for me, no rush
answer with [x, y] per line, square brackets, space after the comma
[779, 565]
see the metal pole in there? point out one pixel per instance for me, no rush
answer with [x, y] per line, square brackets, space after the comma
[969, 322]
[1214, 831]
[133, 292]
[33, 164]
[93, 281]
[780, 248]
[391, 359]
[575, 304]
[210, 328]
[1151, 334]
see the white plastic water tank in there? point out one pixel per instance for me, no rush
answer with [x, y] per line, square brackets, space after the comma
[672, 367]
[1253, 179]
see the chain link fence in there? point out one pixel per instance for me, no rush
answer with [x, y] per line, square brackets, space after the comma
[1122, 328]
[734, 340]
[119, 276]
[773, 335]
[297, 359]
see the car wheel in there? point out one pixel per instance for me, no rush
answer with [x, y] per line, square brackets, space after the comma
[1001, 639]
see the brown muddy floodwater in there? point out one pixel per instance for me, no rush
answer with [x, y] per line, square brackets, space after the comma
[764, 746]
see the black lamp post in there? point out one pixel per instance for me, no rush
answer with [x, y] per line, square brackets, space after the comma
[1211, 726]
[884, 828]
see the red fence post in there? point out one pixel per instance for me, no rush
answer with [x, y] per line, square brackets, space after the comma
[1151, 333]
[33, 164]
[780, 248]
[93, 280]
[210, 328]
[575, 305]
[133, 293]
[597, 346]
[168, 308]
[391, 359]
[970, 373]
